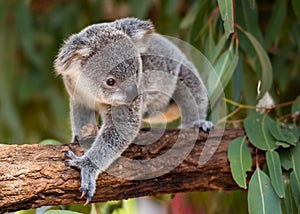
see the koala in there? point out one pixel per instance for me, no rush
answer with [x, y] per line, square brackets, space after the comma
[124, 71]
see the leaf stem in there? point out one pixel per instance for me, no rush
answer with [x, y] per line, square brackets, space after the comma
[254, 107]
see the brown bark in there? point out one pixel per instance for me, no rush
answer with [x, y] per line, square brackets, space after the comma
[35, 175]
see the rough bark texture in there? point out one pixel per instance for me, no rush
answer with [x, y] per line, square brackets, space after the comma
[35, 175]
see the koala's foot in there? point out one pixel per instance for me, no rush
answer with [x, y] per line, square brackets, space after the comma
[88, 174]
[204, 125]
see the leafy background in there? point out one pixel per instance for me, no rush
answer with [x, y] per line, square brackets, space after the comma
[264, 46]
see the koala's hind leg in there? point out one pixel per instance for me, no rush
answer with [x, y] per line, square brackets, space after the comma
[191, 96]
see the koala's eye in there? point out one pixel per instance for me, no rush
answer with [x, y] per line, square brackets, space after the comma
[110, 81]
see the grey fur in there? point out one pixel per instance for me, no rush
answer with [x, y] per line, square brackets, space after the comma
[128, 53]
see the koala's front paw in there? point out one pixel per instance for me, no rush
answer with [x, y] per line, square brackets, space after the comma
[74, 159]
[88, 174]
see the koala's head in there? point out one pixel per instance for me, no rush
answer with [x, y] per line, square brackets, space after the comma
[102, 63]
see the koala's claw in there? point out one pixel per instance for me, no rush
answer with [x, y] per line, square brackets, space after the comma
[206, 126]
[88, 174]
[74, 159]
[75, 139]
[88, 197]
[84, 192]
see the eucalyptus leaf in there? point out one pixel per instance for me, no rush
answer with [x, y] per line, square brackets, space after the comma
[283, 144]
[199, 23]
[295, 130]
[295, 187]
[129, 206]
[296, 7]
[264, 71]
[237, 79]
[24, 21]
[30, 211]
[281, 134]
[226, 11]
[225, 67]
[227, 76]
[140, 8]
[247, 18]
[218, 49]
[274, 166]
[60, 212]
[275, 23]
[289, 201]
[295, 175]
[261, 195]
[209, 46]
[257, 129]
[296, 106]
[50, 142]
[240, 160]
[285, 159]
[189, 18]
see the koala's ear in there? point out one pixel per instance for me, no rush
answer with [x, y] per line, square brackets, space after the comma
[71, 54]
[136, 29]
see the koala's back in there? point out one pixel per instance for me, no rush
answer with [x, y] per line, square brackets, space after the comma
[162, 63]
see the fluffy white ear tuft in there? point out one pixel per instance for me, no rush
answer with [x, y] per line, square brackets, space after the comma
[71, 55]
[139, 31]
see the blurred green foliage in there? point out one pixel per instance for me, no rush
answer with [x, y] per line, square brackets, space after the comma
[265, 46]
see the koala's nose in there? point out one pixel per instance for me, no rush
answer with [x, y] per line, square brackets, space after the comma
[131, 92]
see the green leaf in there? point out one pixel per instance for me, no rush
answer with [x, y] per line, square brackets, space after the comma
[261, 195]
[247, 18]
[209, 46]
[237, 79]
[275, 22]
[296, 7]
[189, 18]
[226, 11]
[289, 201]
[217, 49]
[281, 134]
[285, 159]
[170, 7]
[240, 160]
[140, 8]
[295, 187]
[199, 22]
[296, 106]
[295, 175]
[129, 206]
[50, 142]
[283, 144]
[30, 211]
[60, 212]
[274, 166]
[26, 32]
[294, 129]
[263, 66]
[257, 129]
[224, 67]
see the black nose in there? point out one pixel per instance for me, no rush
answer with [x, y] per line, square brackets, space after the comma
[131, 92]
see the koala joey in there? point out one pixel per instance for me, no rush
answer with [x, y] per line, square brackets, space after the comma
[124, 71]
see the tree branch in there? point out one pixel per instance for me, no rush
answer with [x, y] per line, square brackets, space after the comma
[35, 175]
